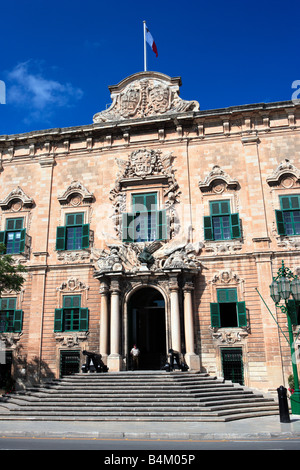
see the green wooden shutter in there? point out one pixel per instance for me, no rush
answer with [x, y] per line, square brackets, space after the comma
[222, 295]
[208, 229]
[215, 315]
[292, 306]
[150, 202]
[280, 222]
[61, 238]
[18, 320]
[83, 319]
[2, 237]
[235, 225]
[128, 230]
[242, 314]
[22, 240]
[227, 295]
[85, 241]
[162, 225]
[58, 319]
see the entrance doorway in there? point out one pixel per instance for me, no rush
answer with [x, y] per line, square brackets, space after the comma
[69, 362]
[147, 328]
[232, 362]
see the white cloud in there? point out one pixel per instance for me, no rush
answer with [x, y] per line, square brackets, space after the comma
[40, 96]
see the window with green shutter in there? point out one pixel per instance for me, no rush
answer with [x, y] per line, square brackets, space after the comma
[74, 235]
[11, 319]
[288, 217]
[228, 312]
[72, 317]
[13, 237]
[221, 224]
[145, 223]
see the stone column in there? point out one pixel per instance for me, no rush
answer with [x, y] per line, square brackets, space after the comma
[114, 360]
[192, 360]
[175, 314]
[104, 292]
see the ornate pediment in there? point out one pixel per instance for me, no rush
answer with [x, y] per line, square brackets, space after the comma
[286, 175]
[145, 94]
[16, 199]
[217, 181]
[76, 194]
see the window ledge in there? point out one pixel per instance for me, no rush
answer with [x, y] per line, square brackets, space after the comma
[288, 241]
[71, 338]
[229, 335]
[10, 339]
[74, 256]
[223, 246]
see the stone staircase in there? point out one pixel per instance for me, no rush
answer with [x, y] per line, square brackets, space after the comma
[143, 396]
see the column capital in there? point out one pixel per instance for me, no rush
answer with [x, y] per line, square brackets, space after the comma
[115, 286]
[104, 288]
[188, 286]
[173, 283]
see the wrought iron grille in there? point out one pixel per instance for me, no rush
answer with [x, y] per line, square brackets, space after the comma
[232, 363]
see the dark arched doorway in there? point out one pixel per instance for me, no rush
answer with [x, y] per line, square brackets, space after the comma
[147, 327]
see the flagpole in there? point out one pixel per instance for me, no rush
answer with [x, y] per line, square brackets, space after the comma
[145, 48]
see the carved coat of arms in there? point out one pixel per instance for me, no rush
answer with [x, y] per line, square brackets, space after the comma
[145, 94]
[143, 162]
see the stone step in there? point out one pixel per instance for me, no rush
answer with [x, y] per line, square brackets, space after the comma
[132, 396]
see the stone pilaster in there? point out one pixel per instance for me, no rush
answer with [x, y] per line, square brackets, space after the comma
[175, 314]
[114, 360]
[192, 359]
[104, 318]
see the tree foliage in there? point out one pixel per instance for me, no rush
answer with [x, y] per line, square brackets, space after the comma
[11, 277]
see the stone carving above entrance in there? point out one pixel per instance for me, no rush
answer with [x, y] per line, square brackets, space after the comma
[143, 257]
[145, 94]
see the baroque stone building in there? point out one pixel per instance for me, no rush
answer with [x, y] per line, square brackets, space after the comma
[158, 224]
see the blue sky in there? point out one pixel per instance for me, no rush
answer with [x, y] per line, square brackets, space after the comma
[58, 58]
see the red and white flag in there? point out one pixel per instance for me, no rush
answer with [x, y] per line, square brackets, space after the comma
[151, 41]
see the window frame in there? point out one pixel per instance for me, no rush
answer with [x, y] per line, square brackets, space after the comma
[73, 309]
[280, 214]
[131, 220]
[62, 233]
[17, 246]
[13, 317]
[209, 222]
[226, 296]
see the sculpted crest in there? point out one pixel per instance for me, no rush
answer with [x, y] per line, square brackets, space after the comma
[145, 94]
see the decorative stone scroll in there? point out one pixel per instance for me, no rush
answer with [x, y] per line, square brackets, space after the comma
[76, 194]
[286, 175]
[154, 257]
[16, 200]
[145, 94]
[217, 181]
[141, 165]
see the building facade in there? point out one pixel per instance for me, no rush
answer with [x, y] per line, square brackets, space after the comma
[159, 225]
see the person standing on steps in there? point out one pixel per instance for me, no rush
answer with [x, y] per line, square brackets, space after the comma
[135, 352]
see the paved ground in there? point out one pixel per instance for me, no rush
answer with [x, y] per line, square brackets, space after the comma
[264, 427]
